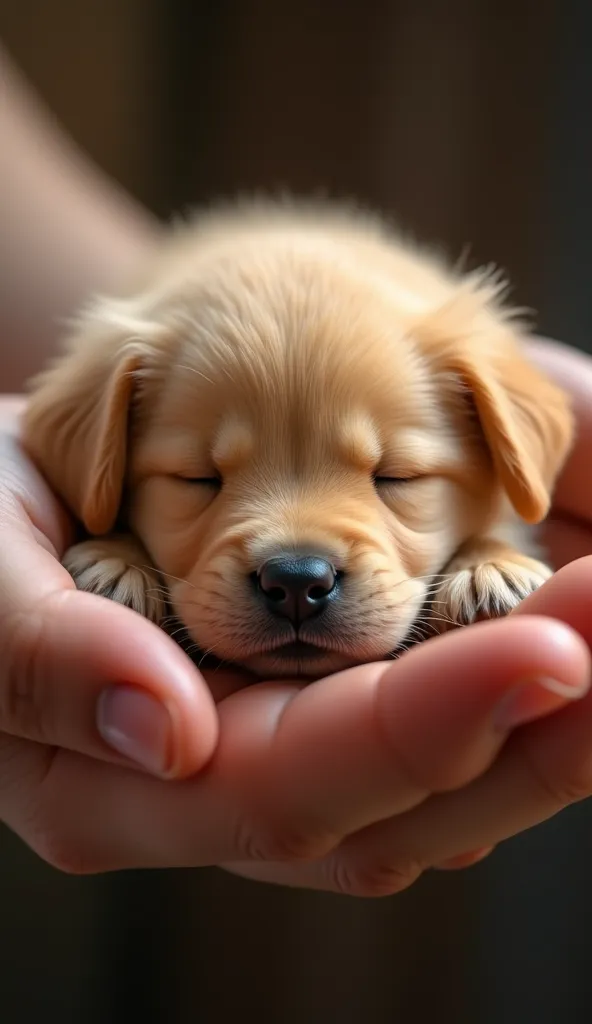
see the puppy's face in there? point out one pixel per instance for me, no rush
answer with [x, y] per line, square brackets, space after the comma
[299, 479]
[300, 446]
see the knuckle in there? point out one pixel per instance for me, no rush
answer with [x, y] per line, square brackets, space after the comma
[284, 842]
[24, 706]
[248, 841]
[373, 879]
[303, 841]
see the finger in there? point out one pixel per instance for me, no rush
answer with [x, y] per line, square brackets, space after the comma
[295, 770]
[83, 673]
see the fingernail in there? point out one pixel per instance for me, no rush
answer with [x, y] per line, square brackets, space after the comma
[136, 725]
[534, 699]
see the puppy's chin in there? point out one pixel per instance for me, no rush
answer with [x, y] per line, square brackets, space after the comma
[297, 659]
[307, 665]
[301, 664]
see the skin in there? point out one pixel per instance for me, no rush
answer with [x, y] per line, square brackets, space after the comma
[354, 784]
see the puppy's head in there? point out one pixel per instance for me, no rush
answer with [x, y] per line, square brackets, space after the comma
[300, 450]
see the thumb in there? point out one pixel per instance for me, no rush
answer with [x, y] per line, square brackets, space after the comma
[88, 675]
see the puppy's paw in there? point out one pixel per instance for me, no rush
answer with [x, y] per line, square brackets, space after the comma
[118, 568]
[486, 590]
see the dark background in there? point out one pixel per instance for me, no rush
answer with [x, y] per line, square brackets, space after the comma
[472, 122]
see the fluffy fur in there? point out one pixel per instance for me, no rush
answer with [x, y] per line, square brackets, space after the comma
[297, 377]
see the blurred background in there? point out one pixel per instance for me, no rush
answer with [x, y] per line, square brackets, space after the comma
[471, 122]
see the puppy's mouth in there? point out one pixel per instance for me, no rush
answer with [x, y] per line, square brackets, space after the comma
[295, 657]
[309, 661]
[297, 649]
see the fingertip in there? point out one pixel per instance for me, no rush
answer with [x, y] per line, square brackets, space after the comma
[168, 735]
[187, 706]
[151, 704]
[556, 644]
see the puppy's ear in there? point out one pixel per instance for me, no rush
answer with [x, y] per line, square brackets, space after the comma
[525, 418]
[527, 425]
[76, 423]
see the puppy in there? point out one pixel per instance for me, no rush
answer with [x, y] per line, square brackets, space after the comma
[303, 439]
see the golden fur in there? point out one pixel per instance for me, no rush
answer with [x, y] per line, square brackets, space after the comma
[300, 354]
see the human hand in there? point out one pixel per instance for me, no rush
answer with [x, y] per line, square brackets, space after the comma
[328, 786]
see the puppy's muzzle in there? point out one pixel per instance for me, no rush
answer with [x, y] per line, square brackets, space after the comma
[297, 586]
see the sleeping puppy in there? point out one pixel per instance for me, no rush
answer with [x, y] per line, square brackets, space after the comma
[308, 442]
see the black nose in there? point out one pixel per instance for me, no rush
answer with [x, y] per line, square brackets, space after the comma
[297, 587]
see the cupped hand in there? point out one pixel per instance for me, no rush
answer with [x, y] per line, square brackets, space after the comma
[353, 784]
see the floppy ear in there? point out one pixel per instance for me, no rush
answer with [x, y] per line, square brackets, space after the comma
[527, 425]
[525, 418]
[76, 424]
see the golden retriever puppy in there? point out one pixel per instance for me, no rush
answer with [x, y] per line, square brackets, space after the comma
[304, 440]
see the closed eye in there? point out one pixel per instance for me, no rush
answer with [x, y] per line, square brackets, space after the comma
[204, 481]
[382, 480]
